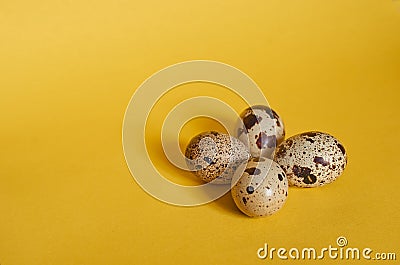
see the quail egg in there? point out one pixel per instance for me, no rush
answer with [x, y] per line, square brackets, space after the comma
[262, 189]
[311, 159]
[214, 157]
[261, 129]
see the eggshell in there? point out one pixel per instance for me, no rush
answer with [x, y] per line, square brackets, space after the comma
[262, 189]
[214, 157]
[311, 159]
[261, 129]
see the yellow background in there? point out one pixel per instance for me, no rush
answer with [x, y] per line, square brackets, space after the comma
[69, 68]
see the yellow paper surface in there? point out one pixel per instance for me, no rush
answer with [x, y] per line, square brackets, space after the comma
[69, 68]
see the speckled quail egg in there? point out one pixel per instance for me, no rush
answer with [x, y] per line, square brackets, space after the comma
[214, 157]
[311, 159]
[261, 129]
[262, 189]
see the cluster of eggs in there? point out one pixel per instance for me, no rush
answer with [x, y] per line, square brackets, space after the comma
[270, 163]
